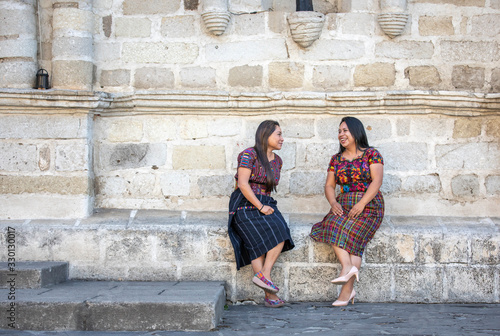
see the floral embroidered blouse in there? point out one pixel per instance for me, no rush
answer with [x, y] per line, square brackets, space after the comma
[258, 177]
[354, 175]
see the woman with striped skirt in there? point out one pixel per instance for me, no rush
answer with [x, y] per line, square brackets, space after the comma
[256, 228]
[357, 212]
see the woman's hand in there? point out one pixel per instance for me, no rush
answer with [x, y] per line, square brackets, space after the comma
[267, 210]
[356, 210]
[337, 209]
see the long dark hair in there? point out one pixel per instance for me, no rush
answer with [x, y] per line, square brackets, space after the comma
[265, 129]
[357, 130]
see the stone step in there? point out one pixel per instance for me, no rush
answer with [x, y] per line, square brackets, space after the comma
[116, 306]
[32, 274]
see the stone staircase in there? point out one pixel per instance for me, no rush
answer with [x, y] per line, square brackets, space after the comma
[39, 296]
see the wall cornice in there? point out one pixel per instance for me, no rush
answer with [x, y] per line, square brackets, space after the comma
[217, 103]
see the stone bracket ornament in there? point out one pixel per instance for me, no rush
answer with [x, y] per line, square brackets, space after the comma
[306, 27]
[394, 17]
[216, 16]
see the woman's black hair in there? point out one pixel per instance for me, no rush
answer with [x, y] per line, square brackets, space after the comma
[357, 130]
[264, 131]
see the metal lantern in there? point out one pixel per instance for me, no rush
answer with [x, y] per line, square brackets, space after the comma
[42, 80]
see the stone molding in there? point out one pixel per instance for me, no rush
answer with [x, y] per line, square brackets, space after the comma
[454, 103]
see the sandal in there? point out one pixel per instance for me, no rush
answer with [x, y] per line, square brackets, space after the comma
[273, 303]
[260, 281]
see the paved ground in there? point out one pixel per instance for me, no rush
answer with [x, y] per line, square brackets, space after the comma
[322, 319]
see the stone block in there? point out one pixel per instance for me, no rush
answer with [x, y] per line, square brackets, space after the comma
[377, 129]
[495, 79]
[404, 50]
[216, 185]
[119, 77]
[175, 184]
[72, 75]
[495, 4]
[127, 247]
[391, 248]
[277, 22]
[404, 156]
[288, 154]
[178, 26]
[18, 157]
[328, 128]
[297, 128]
[221, 249]
[403, 126]
[465, 51]
[72, 157]
[286, 75]
[63, 185]
[486, 25]
[132, 155]
[457, 156]
[154, 78]
[193, 128]
[454, 248]
[301, 288]
[249, 24]
[441, 127]
[32, 274]
[191, 4]
[198, 157]
[307, 183]
[391, 184]
[469, 284]
[358, 23]
[15, 48]
[245, 76]
[110, 186]
[329, 50]
[125, 130]
[423, 76]
[375, 74]
[160, 129]
[465, 77]
[164, 53]
[157, 272]
[485, 250]
[466, 186]
[212, 272]
[17, 206]
[107, 22]
[224, 127]
[323, 253]
[44, 158]
[422, 184]
[247, 51]
[106, 52]
[373, 284]
[198, 77]
[492, 183]
[67, 47]
[18, 75]
[316, 156]
[331, 76]
[13, 16]
[132, 27]
[43, 127]
[478, 3]
[71, 19]
[139, 7]
[467, 128]
[418, 284]
[493, 128]
[300, 253]
[435, 26]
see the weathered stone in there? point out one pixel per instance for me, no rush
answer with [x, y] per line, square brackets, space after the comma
[75, 75]
[174, 52]
[331, 76]
[69, 46]
[478, 3]
[246, 76]
[247, 51]
[495, 79]
[104, 51]
[440, 127]
[391, 184]
[249, 24]
[288, 154]
[110, 186]
[224, 127]
[372, 286]
[297, 128]
[286, 75]
[422, 184]
[485, 250]
[307, 183]
[154, 78]
[44, 184]
[323, 253]
[277, 22]
[72, 157]
[191, 4]
[198, 77]
[420, 284]
[18, 74]
[44, 158]
[132, 155]
[377, 129]
[403, 126]
[300, 290]
[160, 129]
[115, 77]
[423, 76]
[107, 21]
[15, 48]
[153, 273]
[458, 156]
[486, 25]
[178, 26]
[404, 156]
[72, 19]
[467, 128]
[495, 4]
[13, 16]
[453, 51]
[492, 183]
[466, 186]
[127, 247]
[43, 127]
[326, 50]
[465, 77]
[388, 248]
[125, 130]
[469, 284]
[404, 49]
[493, 128]
[193, 128]
[132, 27]
[175, 183]
[316, 155]
[300, 253]
[375, 74]
[198, 157]
[454, 249]
[18, 157]
[139, 7]
[358, 24]
[141, 186]
[216, 185]
[435, 26]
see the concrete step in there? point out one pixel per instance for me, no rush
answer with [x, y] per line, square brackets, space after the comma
[116, 306]
[32, 274]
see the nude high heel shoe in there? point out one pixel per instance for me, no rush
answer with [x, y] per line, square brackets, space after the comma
[344, 279]
[339, 303]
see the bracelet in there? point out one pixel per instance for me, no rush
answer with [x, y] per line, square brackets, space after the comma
[262, 207]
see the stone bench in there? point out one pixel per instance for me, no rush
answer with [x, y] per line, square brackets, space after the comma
[410, 259]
